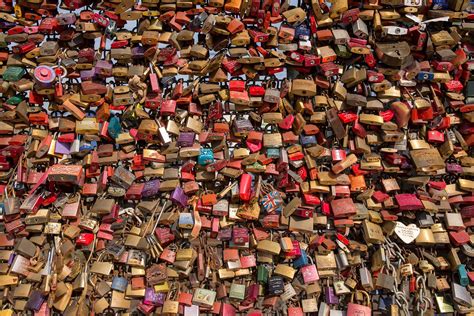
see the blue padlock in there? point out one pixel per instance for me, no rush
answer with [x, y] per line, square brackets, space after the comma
[307, 141]
[425, 75]
[302, 32]
[119, 284]
[301, 261]
[206, 156]
[114, 128]
[381, 304]
[463, 278]
[185, 221]
[85, 147]
[440, 5]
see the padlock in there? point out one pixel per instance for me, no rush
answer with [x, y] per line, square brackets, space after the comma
[272, 94]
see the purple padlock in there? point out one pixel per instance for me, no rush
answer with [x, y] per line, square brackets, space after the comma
[453, 168]
[7, 25]
[224, 234]
[62, 148]
[11, 258]
[186, 139]
[329, 296]
[138, 52]
[153, 298]
[103, 68]
[179, 197]
[87, 74]
[35, 301]
[151, 188]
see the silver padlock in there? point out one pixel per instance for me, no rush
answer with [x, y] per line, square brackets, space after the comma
[385, 281]
[366, 279]
[289, 292]
[454, 221]
[341, 260]
[461, 295]
[324, 309]
[359, 28]
[394, 30]
[341, 36]
[424, 219]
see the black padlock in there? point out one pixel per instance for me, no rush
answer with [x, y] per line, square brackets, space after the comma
[276, 285]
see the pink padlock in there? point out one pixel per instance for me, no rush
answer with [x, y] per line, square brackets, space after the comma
[253, 147]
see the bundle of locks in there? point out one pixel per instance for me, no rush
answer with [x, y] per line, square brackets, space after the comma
[236, 157]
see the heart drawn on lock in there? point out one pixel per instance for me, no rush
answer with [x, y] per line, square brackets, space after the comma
[407, 233]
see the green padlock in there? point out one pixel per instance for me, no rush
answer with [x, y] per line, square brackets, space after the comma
[273, 153]
[14, 73]
[256, 167]
[3, 43]
[342, 51]
[15, 100]
[262, 274]
[237, 291]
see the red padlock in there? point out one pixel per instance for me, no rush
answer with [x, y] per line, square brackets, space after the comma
[237, 85]
[255, 6]
[435, 137]
[275, 8]
[84, 239]
[348, 117]
[297, 56]
[245, 186]
[375, 77]
[338, 155]
[370, 60]
[359, 129]
[442, 65]
[459, 238]
[287, 122]
[454, 86]
[311, 60]
[256, 91]
[313, 25]
[303, 173]
[387, 115]
[325, 208]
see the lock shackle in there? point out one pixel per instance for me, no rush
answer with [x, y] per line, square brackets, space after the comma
[56, 114]
[251, 82]
[271, 127]
[366, 295]
[271, 83]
